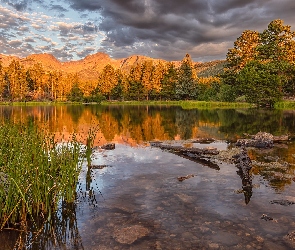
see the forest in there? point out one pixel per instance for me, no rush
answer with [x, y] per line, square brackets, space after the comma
[259, 69]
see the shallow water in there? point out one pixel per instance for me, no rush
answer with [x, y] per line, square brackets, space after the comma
[133, 199]
[140, 204]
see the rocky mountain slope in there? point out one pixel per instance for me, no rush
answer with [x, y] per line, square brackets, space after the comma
[92, 65]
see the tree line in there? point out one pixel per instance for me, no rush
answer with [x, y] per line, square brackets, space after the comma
[259, 69]
[144, 81]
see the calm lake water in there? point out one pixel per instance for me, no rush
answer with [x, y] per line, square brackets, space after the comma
[133, 199]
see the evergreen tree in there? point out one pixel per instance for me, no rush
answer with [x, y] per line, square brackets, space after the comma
[186, 85]
[260, 83]
[169, 83]
[76, 94]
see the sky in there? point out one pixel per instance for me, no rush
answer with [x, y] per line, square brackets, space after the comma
[166, 29]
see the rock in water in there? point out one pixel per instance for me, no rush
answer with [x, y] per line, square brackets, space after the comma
[108, 146]
[129, 234]
[260, 140]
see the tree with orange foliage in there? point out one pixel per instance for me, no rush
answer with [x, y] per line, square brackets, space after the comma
[244, 50]
[108, 79]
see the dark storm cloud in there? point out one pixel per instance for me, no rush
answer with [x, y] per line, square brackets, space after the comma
[194, 22]
[167, 29]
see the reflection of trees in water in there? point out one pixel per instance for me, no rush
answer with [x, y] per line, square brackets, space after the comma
[61, 233]
[144, 123]
[276, 166]
[141, 123]
[160, 122]
[185, 121]
[75, 111]
[251, 121]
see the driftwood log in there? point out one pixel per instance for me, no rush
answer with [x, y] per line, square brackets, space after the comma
[198, 155]
[244, 165]
[199, 151]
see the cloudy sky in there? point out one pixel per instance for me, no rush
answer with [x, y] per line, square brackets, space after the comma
[168, 29]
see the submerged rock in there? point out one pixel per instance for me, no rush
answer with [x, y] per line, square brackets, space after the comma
[99, 166]
[291, 236]
[266, 217]
[283, 202]
[182, 178]
[128, 235]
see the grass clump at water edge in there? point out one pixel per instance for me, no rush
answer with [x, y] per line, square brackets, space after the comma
[36, 173]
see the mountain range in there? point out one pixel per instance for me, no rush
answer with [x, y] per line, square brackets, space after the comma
[91, 66]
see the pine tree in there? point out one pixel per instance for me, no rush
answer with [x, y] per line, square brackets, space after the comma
[169, 83]
[186, 84]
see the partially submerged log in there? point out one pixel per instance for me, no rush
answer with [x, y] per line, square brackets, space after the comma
[203, 140]
[198, 155]
[201, 159]
[199, 151]
[244, 164]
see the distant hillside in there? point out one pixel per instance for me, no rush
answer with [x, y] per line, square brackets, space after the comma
[212, 68]
[92, 65]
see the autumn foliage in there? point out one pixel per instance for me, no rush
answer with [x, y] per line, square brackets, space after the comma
[261, 66]
[260, 69]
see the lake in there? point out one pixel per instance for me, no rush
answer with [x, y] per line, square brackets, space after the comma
[132, 198]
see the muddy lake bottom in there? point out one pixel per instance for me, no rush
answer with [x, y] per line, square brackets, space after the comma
[136, 202]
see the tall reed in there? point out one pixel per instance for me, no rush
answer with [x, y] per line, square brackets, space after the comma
[36, 173]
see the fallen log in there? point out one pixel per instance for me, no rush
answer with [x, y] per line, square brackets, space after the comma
[199, 151]
[244, 164]
[198, 159]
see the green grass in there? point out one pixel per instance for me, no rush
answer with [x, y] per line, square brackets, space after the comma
[175, 103]
[184, 104]
[36, 173]
[285, 105]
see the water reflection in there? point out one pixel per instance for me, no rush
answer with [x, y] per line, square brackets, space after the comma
[133, 126]
[60, 233]
[136, 124]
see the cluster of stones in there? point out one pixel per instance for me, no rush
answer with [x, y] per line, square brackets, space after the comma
[260, 140]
